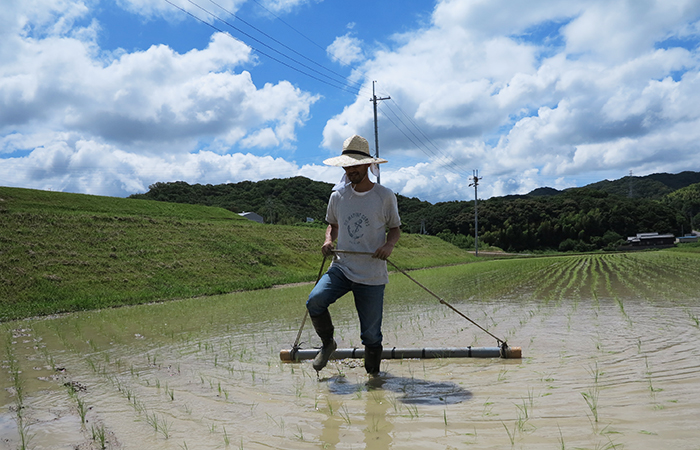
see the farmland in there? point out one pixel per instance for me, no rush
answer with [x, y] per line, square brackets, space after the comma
[609, 361]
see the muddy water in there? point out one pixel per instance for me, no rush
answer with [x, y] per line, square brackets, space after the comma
[602, 368]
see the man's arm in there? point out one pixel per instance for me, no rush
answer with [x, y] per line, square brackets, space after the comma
[392, 237]
[331, 236]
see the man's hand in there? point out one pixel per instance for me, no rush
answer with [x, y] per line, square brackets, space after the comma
[331, 236]
[327, 249]
[392, 237]
[384, 252]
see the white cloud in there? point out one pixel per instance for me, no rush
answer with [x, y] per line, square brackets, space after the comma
[346, 50]
[111, 125]
[101, 169]
[281, 6]
[172, 9]
[538, 93]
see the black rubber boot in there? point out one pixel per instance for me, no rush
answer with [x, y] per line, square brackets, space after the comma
[324, 328]
[373, 359]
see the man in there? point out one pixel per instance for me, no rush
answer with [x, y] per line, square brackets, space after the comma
[358, 215]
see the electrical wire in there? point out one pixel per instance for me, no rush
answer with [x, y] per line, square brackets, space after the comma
[342, 77]
[346, 87]
[437, 155]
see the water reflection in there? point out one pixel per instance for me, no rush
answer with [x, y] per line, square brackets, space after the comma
[412, 391]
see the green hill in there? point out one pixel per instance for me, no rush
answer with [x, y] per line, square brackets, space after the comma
[65, 252]
[598, 216]
[654, 186]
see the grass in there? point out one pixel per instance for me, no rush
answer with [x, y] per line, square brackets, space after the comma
[67, 252]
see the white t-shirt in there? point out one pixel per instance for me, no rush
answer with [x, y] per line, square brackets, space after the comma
[362, 219]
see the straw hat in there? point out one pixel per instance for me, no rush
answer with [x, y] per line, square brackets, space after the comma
[355, 152]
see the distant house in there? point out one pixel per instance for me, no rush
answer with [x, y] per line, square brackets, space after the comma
[252, 216]
[647, 240]
[688, 239]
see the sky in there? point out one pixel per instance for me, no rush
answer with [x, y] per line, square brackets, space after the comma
[109, 97]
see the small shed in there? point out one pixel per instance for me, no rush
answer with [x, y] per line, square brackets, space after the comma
[688, 239]
[651, 240]
[252, 216]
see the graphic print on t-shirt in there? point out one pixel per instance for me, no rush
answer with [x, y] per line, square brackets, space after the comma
[356, 223]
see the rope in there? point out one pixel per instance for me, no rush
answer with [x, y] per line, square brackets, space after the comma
[296, 345]
[501, 342]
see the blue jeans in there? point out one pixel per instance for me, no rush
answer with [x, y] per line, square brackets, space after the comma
[369, 302]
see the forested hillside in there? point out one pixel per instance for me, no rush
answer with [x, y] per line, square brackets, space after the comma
[280, 201]
[598, 216]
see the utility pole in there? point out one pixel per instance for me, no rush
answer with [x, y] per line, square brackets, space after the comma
[374, 100]
[631, 190]
[475, 177]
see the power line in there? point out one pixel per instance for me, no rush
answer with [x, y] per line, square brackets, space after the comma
[342, 77]
[346, 87]
[417, 142]
[288, 25]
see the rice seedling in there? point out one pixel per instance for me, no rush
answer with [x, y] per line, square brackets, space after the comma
[511, 436]
[345, 414]
[279, 424]
[161, 426]
[227, 441]
[164, 428]
[23, 431]
[299, 435]
[412, 411]
[524, 411]
[330, 406]
[99, 436]
[82, 409]
[488, 408]
[561, 439]
[591, 398]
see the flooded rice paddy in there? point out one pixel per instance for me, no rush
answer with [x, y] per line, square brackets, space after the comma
[610, 360]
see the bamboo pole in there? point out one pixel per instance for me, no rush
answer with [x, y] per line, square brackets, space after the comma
[288, 355]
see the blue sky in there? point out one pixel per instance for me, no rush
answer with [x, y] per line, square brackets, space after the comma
[107, 98]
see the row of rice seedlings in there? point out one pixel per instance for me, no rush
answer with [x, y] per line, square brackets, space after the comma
[592, 394]
[652, 390]
[630, 274]
[595, 268]
[554, 278]
[607, 269]
[663, 272]
[518, 276]
[642, 278]
[576, 273]
[98, 432]
[673, 270]
[18, 389]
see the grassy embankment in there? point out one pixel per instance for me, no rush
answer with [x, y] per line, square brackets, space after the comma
[66, 252]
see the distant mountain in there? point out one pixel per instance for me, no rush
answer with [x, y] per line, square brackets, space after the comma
[654, 186]
[597, 216]
[544, 192]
